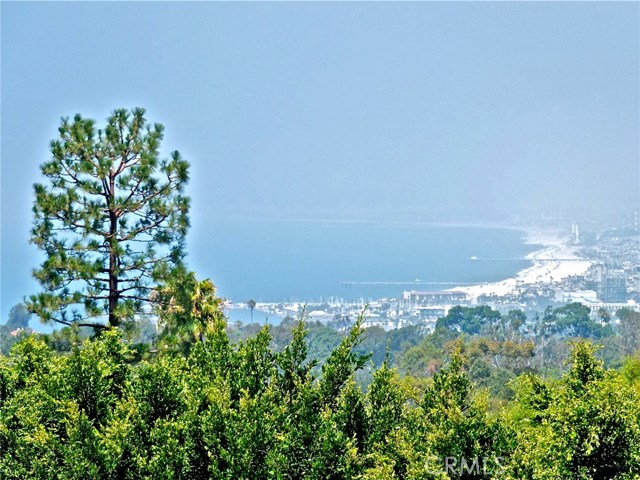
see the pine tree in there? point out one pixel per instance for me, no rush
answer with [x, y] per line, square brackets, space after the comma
[111, 219]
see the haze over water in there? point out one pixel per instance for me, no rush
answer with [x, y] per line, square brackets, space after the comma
[276, 261]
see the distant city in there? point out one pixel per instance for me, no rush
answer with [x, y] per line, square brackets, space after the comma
[598, 268]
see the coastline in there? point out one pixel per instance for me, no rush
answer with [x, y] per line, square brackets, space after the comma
[556, 260]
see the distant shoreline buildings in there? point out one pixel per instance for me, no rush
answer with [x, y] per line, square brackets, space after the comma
[608, 279]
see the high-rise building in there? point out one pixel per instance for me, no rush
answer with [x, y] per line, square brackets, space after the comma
[613, 288]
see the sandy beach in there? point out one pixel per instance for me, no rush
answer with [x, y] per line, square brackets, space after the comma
[557, 259]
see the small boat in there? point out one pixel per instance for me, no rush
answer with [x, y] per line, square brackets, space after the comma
[473, 258]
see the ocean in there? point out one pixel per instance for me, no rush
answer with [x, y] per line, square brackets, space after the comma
[277, 261]
[286, 261]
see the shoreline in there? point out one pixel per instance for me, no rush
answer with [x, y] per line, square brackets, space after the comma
[553, 259]
[556, 260]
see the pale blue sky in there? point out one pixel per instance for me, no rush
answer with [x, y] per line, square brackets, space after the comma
[296, 108]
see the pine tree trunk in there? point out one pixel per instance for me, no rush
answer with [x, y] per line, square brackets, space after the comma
[113, 258]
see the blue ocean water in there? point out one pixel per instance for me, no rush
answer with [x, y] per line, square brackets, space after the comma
[274, 261]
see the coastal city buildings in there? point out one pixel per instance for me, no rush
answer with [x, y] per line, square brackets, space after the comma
[602, 272]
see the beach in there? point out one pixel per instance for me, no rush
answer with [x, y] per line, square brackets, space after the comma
[556, 260]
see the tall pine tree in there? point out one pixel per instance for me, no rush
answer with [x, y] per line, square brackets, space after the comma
[111, 219]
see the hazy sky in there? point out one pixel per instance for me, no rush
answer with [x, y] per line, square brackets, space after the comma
[294, 107]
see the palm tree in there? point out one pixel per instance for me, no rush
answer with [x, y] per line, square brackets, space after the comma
[251, 304]
[187, 307]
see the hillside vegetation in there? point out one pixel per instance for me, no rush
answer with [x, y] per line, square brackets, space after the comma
[250, 409]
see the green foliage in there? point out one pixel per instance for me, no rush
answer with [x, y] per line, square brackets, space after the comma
[585, 426]
[630, 370]
[186, 307]
[573, 320]
[66, 338]
[18, 317]
[629, 330]
[96, 376]
[111, 219]
[425, 358]
[455, 421]
[585, 367]
[500, 347]
[242, 410]
[468, 320]
[15, 327]
[341, 364]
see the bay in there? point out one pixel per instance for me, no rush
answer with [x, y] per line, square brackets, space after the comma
[276, 261]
